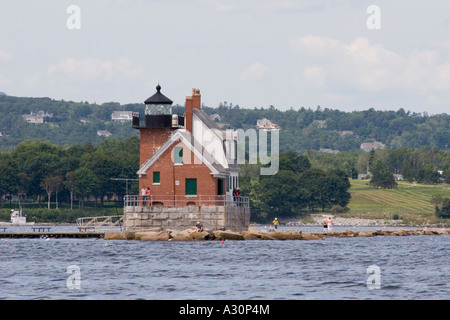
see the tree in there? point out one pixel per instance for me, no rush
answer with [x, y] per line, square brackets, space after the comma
[381, 176]
[8, 177]
[70, 184]
[280, 195]
[50, 185]
[427, 174]
[85, 183]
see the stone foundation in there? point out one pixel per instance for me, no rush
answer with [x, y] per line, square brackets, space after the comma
[180, 218]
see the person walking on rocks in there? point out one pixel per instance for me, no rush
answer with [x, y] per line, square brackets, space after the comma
[275, 223]
[329, 224]
[325, 225]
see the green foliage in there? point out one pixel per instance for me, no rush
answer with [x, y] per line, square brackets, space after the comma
[39, 169]
[381, 176]
[444, 212]
[297, 188]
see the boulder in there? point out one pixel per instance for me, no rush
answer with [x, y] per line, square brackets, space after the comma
[114, 236]
[366, 233]
[183, 235]
[204, 235]
[227, 235]
[311, 236]
[250, 236]
[153, 236]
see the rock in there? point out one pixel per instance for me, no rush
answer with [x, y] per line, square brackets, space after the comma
[311, 236]
[227, 235]
[183, 235]
[250, 236]
[114, 236]
[204, 235]
[366, 233]
[290, 234]
[154, 236]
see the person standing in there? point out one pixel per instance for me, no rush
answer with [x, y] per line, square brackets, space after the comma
[325, 224]
[147, 194]
[329, 224]
[144, 197]
[275, 223]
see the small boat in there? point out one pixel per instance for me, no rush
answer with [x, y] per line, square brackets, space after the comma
[17, 219]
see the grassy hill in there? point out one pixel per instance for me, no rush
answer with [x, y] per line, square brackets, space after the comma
[409, 202]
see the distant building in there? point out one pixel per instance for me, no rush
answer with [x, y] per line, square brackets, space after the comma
[190, 166]
[266, 124]
[326, 150]
[368, 146]
[346, 132]
[37, 117]
[320, 124]
[122, 116]
[215, 117]
[104, 133]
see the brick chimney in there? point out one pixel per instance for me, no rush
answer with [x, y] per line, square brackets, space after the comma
[192, 102]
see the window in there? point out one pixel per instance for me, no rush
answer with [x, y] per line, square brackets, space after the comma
[156, 177]
[191, 187]
[178, 155]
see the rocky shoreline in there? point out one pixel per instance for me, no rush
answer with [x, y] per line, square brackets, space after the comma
[257, 234]
[347, 222]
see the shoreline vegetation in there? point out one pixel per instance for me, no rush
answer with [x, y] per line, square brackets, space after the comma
[410, 204]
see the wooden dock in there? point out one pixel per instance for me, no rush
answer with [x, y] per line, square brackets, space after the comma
[52, 234]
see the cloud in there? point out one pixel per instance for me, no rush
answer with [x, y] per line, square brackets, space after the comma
[5, 56]
[256, 71]
[370, 67]
[94, 69]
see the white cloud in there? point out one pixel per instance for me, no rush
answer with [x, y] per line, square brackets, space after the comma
[90, 69]
[371, 67]
[256, 71]
[5, 56]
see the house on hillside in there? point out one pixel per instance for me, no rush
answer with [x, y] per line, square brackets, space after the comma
[369, 146]
[266, 124]
[104, 133]
[122, 116]
[190, 167]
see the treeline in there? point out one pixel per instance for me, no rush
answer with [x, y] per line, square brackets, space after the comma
[424, 165]
[40, 169]
[71, 123]
[296, 188]
[302, 129]
[318, 181]
[323, 128]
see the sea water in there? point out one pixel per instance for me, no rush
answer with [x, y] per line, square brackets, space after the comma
[406, 267]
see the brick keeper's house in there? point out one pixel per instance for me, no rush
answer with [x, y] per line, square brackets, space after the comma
[190, 167]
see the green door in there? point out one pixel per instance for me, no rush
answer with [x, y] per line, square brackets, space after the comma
[220, 187]
[191, 187]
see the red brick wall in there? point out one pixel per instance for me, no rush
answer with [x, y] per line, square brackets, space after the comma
[151, 141]
[207, 185]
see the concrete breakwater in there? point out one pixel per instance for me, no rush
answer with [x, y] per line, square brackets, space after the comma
[256, 234]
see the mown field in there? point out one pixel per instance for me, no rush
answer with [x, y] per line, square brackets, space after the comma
[409, 201]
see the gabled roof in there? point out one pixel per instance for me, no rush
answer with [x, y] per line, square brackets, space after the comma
[188, 140]
[158, 98]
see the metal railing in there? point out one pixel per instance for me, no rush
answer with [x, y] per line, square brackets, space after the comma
[99, 223]
[186, 200]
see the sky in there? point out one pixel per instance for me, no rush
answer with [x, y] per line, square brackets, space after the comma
[348, 55]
